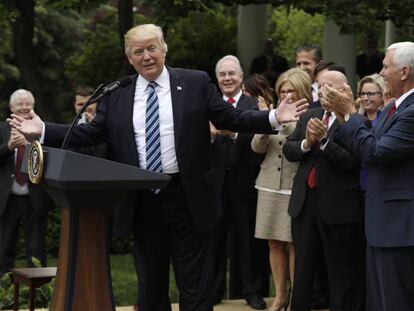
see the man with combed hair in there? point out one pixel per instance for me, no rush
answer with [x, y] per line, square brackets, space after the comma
[160, 122]
[388, 151]
[236, 168]
[21, 203]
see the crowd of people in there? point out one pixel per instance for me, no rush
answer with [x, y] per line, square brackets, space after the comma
[287, 174]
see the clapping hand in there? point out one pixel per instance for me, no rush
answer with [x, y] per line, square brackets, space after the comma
[341, 103]
[315, 131]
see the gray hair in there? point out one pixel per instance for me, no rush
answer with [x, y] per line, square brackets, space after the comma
[144, 32]
[16, 95]
[232, 58]
[403, 55]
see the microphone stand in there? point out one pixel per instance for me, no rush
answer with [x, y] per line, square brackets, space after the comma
[92, 99]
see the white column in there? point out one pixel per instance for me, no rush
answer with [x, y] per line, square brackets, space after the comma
[251, 33]
[341, 49]
[389, 33]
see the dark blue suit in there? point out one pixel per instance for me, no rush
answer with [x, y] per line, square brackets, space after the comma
[388, 151]
[176, 223]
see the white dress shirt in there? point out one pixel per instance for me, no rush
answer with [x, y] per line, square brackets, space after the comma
[17, 188]
[163, 91]
[315, 96]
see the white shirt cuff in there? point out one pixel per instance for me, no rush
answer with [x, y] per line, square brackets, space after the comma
[42, 137]
[273, 121]
[322, 147]
[302, 147]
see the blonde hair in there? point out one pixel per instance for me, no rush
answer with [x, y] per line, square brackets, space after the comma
[299, 79]
[16, 95]
[144, 32]
[375, 79]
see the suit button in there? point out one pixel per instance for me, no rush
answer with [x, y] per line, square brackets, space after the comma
[12, 175]
[280, 143]
[280, 156]
[278, 169]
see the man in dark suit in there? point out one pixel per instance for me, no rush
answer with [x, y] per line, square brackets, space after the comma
[388, 151]
[20, 202]
[237, 167]
[325, 206]
[160, 122]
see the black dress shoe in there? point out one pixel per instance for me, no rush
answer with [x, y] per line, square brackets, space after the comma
[216, 300]
[320, 304]
[256, 302]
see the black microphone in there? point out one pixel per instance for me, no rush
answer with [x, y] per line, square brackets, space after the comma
[96, 96]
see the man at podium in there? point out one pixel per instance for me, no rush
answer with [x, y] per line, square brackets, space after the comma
[160, 122]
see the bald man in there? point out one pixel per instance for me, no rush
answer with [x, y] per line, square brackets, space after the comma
[325, 206]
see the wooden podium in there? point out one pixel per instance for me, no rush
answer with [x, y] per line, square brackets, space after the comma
[84, 187]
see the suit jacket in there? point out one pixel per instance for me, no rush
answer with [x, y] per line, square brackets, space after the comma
[195, 101]
[276, 172]
[238, 156]
[39, 200]
[388, 151]
[337, 175]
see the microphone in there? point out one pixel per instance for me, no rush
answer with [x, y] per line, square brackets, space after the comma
[100, 92]
[123, 82]
[117, 84]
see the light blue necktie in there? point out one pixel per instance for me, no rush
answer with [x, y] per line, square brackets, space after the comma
[152, 132]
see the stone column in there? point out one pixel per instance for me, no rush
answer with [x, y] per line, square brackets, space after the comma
[389, 33]
[251, 33]
[341, 49]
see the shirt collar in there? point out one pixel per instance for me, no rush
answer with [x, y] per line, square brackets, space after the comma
[402, 97]
[163, 80]
[235, 97]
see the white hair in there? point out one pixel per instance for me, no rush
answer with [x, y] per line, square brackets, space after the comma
[233, 59]
[16, 95]
[403, 55]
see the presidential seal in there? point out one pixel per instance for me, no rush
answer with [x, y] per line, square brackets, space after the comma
[35, 162]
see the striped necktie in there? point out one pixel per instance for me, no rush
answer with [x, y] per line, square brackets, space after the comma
[152, 132]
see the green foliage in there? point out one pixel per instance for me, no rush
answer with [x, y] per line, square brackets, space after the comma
[290, 28]
[201, 38]
[99, 57]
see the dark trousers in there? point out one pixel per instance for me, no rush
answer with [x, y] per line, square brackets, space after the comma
[342, 247]
[390, 284]
[234, 239]
[19, 212]
[164, 232]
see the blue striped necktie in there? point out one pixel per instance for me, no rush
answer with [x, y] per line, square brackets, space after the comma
[152, 132]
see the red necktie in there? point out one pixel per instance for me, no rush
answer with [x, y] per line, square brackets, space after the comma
[231, 100]
[18, 176]
[312, 173]
[391, 111]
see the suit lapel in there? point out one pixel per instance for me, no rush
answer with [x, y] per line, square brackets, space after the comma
[178, 91]
[126, 108]
[384, 122]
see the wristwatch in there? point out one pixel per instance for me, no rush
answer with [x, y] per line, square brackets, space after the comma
[324, 141]
[347, 116]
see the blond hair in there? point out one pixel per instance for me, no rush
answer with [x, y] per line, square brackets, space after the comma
[300, 81]
[144, 32]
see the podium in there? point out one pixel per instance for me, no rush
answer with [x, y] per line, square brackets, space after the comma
[84, 187]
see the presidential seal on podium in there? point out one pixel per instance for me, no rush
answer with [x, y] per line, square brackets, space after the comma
[35, 162]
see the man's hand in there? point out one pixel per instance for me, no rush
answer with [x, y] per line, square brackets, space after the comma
[30, 128]
[339, 102]
[16, 139]
[315, 131]
[226, 133]
[287, 111]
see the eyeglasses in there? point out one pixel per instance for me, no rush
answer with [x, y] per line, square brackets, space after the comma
[151, 50]
[368, 94]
